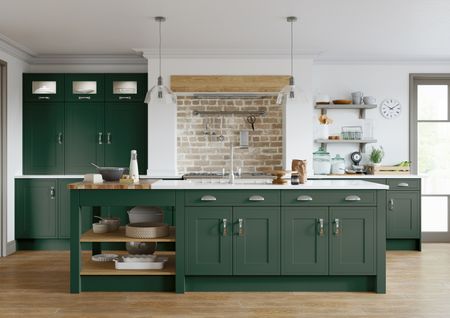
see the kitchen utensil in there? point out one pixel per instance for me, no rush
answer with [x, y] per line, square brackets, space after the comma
[104, 257]
[357, 98]
[342, 101]
[369, 100]
[110, 173]
[141, 247]
[140, 214]
[113, 224]
[251, 119]
[100, 228]
[146, 230]
[158, 263]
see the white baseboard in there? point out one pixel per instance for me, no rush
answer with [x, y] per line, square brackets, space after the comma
[11, 247]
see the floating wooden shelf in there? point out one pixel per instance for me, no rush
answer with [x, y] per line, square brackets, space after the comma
[91, 268]
[362, 142]
[119, 236]
[361, 107]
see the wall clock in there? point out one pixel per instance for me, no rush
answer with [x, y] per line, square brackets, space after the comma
[390, 108]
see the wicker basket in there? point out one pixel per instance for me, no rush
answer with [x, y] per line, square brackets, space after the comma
[146, 230]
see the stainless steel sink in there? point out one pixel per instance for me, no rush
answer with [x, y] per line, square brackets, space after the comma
[236, 181]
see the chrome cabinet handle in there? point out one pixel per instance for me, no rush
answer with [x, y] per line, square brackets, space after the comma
[304, 198]
[403, 184]
[60, 135]
[208, 198]
[256, 198]
[124, 97]
[100, 137]
[352, 198]
[337, 227]
[321, 229]
[241, 227]
[225, 229]
[84, 97]
[108, 138]
[391, 204]
[52, 193]
[43, 97]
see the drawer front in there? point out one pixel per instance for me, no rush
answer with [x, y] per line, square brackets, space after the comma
[404, 184]
[232, 198]
[328, 197]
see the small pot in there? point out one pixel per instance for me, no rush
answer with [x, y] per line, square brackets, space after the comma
[99, 228]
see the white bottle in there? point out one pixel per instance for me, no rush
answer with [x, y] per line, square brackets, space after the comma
[134, 170]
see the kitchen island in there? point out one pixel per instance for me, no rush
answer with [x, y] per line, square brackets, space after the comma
[325, 235]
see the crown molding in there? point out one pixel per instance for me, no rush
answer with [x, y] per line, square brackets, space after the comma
[15, 49]
[127, 59]
[227, 53]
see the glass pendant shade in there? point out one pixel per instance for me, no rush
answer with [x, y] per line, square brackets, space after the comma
[160, 94]
[291, 93]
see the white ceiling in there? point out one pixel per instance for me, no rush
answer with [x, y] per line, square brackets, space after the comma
[345, 29]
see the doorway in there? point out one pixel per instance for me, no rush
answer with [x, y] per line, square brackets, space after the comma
[3, 221]
[430, 150]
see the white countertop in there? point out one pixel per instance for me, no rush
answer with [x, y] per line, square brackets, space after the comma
[255, 184]
[364, 176]
[80, 176]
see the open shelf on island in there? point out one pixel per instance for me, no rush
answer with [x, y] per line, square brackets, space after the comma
[119, 236]
[91, 268]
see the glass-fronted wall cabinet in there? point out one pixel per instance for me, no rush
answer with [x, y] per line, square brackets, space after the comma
[43, 87]
[126, 87]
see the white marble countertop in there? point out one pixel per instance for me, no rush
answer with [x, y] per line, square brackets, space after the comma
[258, 184]
[80, 176]
[364, 176]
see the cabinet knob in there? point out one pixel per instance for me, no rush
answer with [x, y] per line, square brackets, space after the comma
[241, 227]
[403, 184]
[256, 198]
[100, 138]
[52, 193]
[337, 227]
[304, 198]
[225, 229]
[208, 198]
[321, 229]
[352, 198]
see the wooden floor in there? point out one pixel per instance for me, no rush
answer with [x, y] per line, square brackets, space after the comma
[35, 284]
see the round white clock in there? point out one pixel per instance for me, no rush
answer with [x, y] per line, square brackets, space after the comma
[390, 108]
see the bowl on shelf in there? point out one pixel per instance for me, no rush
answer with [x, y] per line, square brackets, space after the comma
[99, 228]
[146, 230]
[141, 247]
[342, 101]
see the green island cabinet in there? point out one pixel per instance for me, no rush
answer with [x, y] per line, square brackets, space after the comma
[403, 212]
[245, 240]
[103, 115]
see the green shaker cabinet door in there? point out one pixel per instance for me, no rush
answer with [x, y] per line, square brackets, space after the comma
[36, 215]
[403, 216]
[256, 241]
[43, 138]
[208, 241]
[125, 129]
[352, 241]
[304, 243]
[84, 137]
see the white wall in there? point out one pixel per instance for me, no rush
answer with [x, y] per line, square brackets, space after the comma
[381, 81]
[163, 161]
[15, 68]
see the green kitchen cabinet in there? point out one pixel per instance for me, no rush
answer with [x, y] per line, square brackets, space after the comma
[36, 208]
[125, 129]
[352, 240]
[84, 88]
[403, 214]
[208, 241]
[43, 138]
[256, 241]
[304, 240]
[43, 87]
[85, 139]
[126, 87]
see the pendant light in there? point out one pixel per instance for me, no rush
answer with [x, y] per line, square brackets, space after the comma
[160, 94]
[290, 92]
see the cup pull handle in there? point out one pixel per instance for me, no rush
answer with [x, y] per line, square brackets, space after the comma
[256, 198]
[304, 198]
[352, 198]
[403, 184]
[208, 198]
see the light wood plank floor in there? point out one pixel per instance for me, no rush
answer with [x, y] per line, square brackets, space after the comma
[35, 284]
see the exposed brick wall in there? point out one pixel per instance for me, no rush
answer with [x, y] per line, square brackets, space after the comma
[199, 152]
